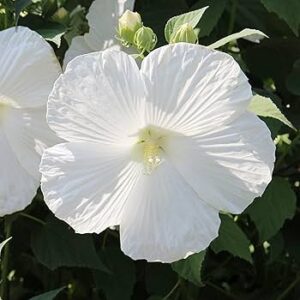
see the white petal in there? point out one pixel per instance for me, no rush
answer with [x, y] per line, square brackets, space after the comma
[28, 135]
[87, 184]
[193, 89]
[78, 47]
[28, 68]
[99, 97]
[229, 166]
[103, 19]
[17, 187]
[165, 220]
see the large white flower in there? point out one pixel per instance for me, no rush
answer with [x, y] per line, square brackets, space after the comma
[103, 19]
[159, 151]
[28, 69]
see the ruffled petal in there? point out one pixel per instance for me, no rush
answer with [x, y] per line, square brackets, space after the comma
[28, 135]
[17, 186]
[229, 166]
[100, 97]
[103, 19]
[28, 68]
[87, 184]
[165, 220]
[78, 47]
[192, 89]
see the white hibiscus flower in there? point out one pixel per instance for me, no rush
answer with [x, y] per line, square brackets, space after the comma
[103, 20]
[158, 151]
[28, 69]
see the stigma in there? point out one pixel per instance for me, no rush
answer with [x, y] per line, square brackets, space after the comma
[151, 142]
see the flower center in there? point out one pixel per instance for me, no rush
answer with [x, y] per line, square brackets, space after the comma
[152, 157]
[151, 142]
[2, 109]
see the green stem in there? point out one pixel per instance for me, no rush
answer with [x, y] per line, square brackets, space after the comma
[172, 290]
[5, 262]
[232, 16]
[32, 218]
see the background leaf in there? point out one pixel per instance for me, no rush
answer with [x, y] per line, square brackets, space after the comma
[56, 245]
[174, 23]
[190, 268]
[53, 33]
[19, 6]
[265, 107]
[232, 37]
[232, 239]
[287, 10]
[211, 16]
[277, 204]
[120, 282]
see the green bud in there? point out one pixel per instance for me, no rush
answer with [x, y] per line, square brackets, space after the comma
[129, 23]
[185, 33]
[145, 39]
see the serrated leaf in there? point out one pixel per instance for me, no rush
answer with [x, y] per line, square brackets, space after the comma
[265, 107]
[55, 245]
[48, 295]
[288, 10]
[269, 212]
[211, 16]
[174, 23]
[232, 239]
[120, 282]
[190, 268]
[235, 36]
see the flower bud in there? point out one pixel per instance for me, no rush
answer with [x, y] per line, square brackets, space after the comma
[185, 33]
[129, 23]
[145, 39]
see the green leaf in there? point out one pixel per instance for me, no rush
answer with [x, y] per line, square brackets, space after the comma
[288, 10]
[53, 33]
[174, 23]
[265, 107]
[55, 245]
[120, 283]
[242, 34]
[276, 248]
[211, 15]
[232, 239]
[190, 268]
[48, 295]
[269, 212]
[19, 6]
